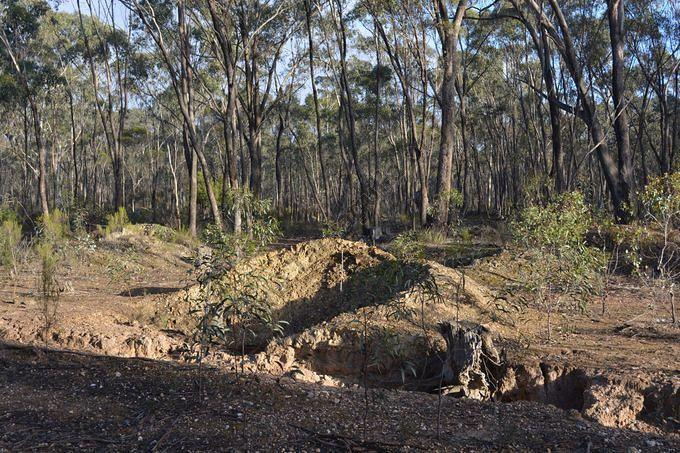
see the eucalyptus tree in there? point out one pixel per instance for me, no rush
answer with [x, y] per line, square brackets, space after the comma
[156, 19]
[560, 33]
[403, 34]
[652, 40]
[30, 68]
[448, 25]
[108, 52]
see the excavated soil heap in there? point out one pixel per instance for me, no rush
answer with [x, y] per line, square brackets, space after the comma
[332, 292]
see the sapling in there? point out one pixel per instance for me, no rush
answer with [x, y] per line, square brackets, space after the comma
[661, 199]
[561, 266]
[49, 287]
[10, 244]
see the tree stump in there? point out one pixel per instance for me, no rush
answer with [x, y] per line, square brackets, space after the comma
[473, 364]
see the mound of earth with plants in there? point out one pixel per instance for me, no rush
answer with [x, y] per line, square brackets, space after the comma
[348, 312]
[326, 296]
[342, 313]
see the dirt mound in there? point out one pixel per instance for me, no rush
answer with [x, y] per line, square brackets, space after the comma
[335, 296]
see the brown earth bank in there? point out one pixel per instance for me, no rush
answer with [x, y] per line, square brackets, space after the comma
[124, 298]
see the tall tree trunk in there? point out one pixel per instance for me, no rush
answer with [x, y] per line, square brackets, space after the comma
[317, 115]
[610, 169]
[42, 157]
[348, 109]
[376, 133]
[448, 32]
[555, 120]
[192, 166]
[615, 10]
[229, 116]
[74, 156]
[185, 96]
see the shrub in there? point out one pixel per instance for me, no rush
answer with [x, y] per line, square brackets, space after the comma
[407, 247]
[54, 227]
[557, 226]
[8, 214]
[116, 222]
[227, 247]
[258, 215]
[10, 241]
[436, 236]
[230, 312]
[561, 264]
[266, 228]
[48, 286]
[661, 199]
[454, 199]
[331, 229]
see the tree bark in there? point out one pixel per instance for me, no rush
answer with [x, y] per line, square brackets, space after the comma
[448, 33]
[615, 13]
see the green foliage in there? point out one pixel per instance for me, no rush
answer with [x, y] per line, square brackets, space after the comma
[465, 235]
[48, 285]
[184, 237]
[433, 236]
[560, 263]
[555, 227]
[202, 195]
[454, 199]
[23, 23]
[406, 246]
[230, 311]
[10, 241]
[8, 214]
[55, 227]
[661, 199]
[116, 222]
[265, 227]
[83, 242]
[122, 269]
[331, 229]
[227, 247]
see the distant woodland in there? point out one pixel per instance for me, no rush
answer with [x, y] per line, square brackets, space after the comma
[351, 111]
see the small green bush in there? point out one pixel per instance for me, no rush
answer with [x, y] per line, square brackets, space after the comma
[661, 199]
[116, 222]
[8, 214]
[48, 285]
[331, 229]
[10, 241]
[266, 228]
[406, 246]
[557, 226]
[433, 236]
[561, 267]
[55, 227]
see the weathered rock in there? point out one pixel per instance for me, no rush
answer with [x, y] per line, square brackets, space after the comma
[612, 404]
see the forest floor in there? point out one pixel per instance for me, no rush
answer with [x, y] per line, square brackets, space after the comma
[110, 374]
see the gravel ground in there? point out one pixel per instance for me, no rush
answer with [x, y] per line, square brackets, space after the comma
[62, 401]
